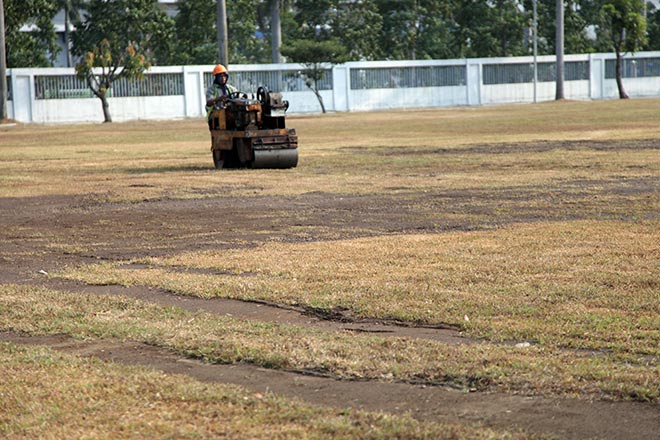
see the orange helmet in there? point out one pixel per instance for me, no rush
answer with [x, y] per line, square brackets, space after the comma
[219, 69]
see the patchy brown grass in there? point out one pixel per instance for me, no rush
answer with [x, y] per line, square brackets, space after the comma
[114, 401]
[538, 370]
[587, 285]
[362, 153]
[565, 196]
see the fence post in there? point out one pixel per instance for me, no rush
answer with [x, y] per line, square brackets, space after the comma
[473, 82]
[596, 76]
[191, 92]
[22, 89]
[340, 87]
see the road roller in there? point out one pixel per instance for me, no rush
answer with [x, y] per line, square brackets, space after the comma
[251, 132]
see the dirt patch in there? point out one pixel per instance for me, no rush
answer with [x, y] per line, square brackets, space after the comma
[566, 418]
[261, 311]
[531, 147]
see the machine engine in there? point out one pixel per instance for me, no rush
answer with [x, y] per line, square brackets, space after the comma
[252, 133]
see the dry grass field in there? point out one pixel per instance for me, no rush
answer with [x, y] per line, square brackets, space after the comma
[503, 260]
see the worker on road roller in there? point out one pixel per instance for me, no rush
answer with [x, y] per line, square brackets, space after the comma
[218, 91]
[248, 132]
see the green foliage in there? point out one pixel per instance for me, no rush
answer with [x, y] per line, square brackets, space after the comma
[196, 34]
[361, 23]
[137, 23]
[376, 29]
[315, 55]
[487, 29]
[579, 15]
[71, 10]
[626, 26]
[653, 27]
[416, 29]
[575, 34]
[244, 44]
[37, 48]
[118, 39]
[311, 53]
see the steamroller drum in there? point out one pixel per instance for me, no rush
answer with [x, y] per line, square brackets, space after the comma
[287, 158]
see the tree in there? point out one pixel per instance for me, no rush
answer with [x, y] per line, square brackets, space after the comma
[245, 45]
[653, 27]
[3, 66]
[416, 29]
[196, 33]
[483, 29]
[118, 39]
[37, 47]
[71, 9]
[576, 18]
[315, 56]
[272, 17]
[361, 24]
[626, 28]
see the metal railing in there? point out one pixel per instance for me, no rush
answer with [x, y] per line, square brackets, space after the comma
[70, 87]
[524, 72]
[275, 80]
[634, 68]
[407, 77]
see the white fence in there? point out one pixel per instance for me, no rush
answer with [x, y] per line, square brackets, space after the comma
[55, 95]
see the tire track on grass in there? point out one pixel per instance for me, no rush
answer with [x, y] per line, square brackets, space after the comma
[570, 419]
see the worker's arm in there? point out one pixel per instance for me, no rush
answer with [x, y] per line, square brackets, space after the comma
[214, 101]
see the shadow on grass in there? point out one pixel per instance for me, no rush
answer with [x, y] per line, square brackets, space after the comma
[169, 169]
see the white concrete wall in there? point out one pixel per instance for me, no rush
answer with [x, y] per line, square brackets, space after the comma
[26, 108]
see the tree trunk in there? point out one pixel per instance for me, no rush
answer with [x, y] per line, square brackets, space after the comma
[221, 25]
[619, 74]
[106, 108]
[315, 89]
[275, 31]
[67, 45]
[559, 49]
[3, 66]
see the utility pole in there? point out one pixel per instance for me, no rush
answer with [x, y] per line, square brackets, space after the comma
[3, 65]
[559, 49]
[275, 31]
[535, 26]
[223, 46]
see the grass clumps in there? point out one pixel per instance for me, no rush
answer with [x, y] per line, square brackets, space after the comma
[51, 395]
[588, 285]
[537, 370]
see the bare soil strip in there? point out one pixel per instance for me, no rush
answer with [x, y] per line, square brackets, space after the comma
[264, 312]
[566, 418]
